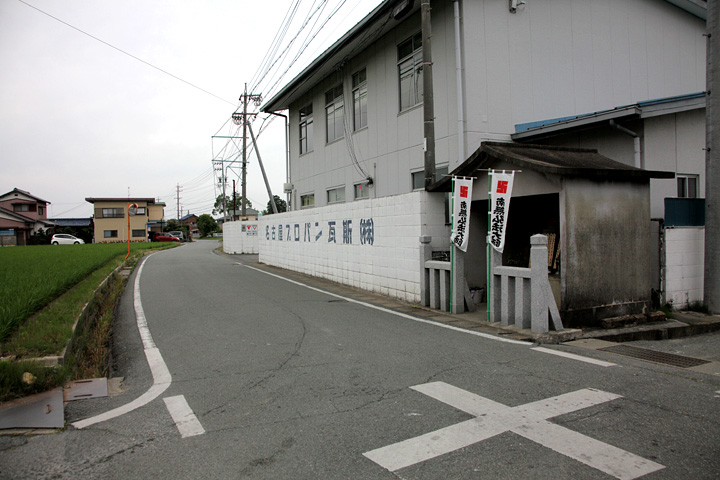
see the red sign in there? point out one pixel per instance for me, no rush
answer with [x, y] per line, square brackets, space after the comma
[463, 192]
[502, 186]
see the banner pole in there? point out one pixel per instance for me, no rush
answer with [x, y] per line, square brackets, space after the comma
[487, 241]
[452, 245]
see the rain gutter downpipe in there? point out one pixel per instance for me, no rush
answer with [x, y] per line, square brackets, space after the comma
[636, 141]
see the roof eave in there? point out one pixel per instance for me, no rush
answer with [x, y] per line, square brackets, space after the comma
[695, 7]
[314, 72]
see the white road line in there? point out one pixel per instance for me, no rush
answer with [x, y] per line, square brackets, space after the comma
[529, 420]
[574, 357]
[186, 421]
[161, 374]
[399, 314]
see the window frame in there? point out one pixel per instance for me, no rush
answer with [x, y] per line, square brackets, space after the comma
[364, 188]
[334, 110]
[360, 100]
[306, 129]
[683, 181]
[338, 194]
[117, 212]
[410, 66]
[110, 234]
[439, 172]
[23, 208]
[311, 200]
[142, 233]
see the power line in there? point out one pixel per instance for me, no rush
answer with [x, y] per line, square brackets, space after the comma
[125, 53]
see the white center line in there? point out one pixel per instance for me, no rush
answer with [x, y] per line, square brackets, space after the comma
[183, 416]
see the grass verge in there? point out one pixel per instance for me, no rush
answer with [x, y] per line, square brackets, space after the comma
[47, 333]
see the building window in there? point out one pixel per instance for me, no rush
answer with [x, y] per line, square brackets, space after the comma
[362, 190]
[140, 211]
[334, 113]
[110, 234]
[23, 207]
[418, 178]
[306, 129]
[687, 186]
[307, 201]
[359, 86]
[41, 211]
[410, 72]
[138, 233]
[336, 195]
[113, 213]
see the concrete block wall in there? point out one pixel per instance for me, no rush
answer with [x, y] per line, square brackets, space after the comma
[684, 265]
[370, 244]
[240, 237]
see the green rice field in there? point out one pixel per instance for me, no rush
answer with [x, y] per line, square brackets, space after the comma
[33, 276]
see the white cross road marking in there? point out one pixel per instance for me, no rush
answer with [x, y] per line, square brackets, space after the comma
[183, 416]
[529, 420]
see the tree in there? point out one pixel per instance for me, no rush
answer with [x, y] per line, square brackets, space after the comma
[207, 225]
[219, 208]
[172, 225]
[279, 203]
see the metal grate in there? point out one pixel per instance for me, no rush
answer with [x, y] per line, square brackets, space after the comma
[653, 356]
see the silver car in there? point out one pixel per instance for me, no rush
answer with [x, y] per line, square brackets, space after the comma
[65, 239]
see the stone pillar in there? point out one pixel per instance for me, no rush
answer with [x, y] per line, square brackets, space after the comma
[494, 296]
[425, 255]
[457, 302]
[538, 278]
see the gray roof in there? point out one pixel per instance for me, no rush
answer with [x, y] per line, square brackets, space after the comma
[72, 222]
[567, 162]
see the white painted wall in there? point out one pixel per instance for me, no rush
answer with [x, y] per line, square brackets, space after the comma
[381, 254]
[684, 254]
[674, 143]
[240, 237]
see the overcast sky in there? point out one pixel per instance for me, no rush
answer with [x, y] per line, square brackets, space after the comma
[78, 118]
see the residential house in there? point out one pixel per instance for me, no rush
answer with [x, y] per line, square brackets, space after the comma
[190, 221]
[251, 215]
[113, 224]
[624, 78]
[21, 215]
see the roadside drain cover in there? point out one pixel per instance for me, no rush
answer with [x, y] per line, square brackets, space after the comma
[653, 356]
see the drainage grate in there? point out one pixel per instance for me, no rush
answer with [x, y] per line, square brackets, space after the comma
[653, 356]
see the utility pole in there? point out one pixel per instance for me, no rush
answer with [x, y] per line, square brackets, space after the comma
[245, 97]
[177, 194]
[262, 169]
[428, 107]
[712, 157]
[234, 201]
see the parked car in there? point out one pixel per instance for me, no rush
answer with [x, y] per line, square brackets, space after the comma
[165, 237]
[178, 234]
[65, 239]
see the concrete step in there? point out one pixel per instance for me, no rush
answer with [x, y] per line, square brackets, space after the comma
[683, 324]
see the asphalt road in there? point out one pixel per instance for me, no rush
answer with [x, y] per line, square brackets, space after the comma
[283, 381]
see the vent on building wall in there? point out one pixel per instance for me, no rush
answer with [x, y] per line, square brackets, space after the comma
[402, 9]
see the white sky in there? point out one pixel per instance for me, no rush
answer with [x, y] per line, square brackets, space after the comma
[81, 119]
